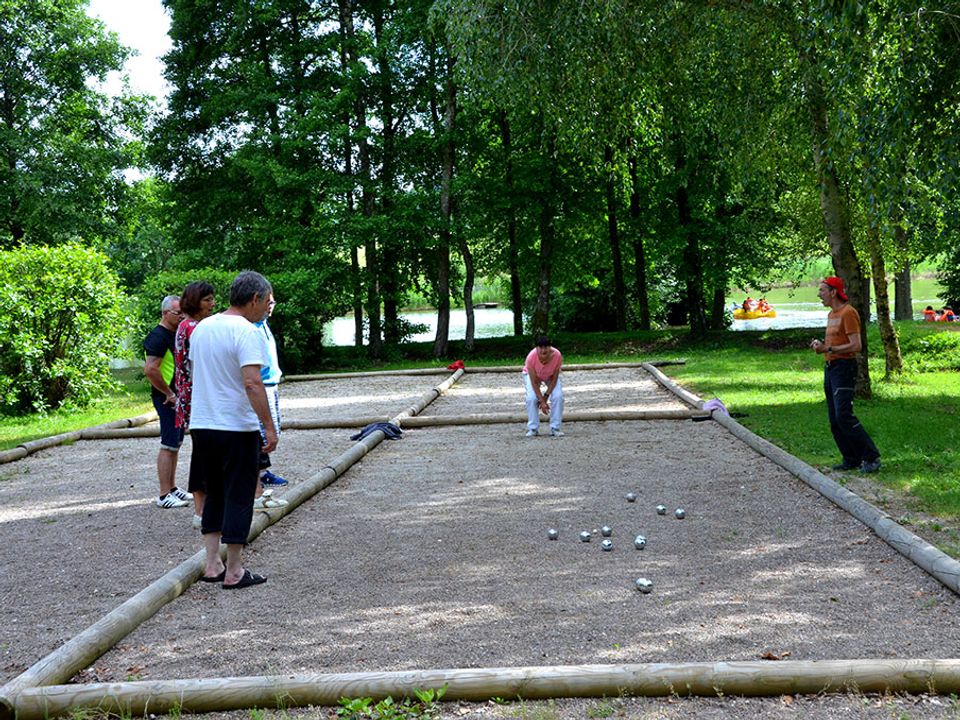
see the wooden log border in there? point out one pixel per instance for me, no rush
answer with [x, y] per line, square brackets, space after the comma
[32, 446]
[745, 678]
[83, 649]
[431, 421]
[504, 419]
[131, 427]
[933, 561]
[471, 370]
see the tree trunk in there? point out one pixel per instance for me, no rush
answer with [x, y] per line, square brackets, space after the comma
[390, 254]
[619, 286]
[888, 333]
[367, 201]
[639, 255]
[516, 293]
[548, 230]
[692, 262]
[441, 343]
[357, 283]
[541, 312]
[468, 281]
[836, 219]
[903, 304]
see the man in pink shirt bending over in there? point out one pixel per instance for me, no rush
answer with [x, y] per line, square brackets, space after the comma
[542, 368]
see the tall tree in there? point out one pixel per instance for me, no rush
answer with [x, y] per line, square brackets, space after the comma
[63, 143]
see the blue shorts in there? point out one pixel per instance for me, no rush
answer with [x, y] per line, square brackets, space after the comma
[171, 437]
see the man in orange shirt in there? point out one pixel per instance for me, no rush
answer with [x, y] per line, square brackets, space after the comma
[839, 348]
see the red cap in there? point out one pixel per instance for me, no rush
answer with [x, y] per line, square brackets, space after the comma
[837, 284]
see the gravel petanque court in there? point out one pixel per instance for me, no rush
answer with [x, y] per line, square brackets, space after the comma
[432, 552]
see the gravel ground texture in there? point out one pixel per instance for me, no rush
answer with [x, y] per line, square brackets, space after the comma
[432, 552]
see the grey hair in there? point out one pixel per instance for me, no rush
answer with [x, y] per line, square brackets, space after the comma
[246, 285]
[168, 301]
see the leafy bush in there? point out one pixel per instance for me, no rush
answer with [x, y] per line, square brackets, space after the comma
[583, 308]
[935, 350]
[61, 321]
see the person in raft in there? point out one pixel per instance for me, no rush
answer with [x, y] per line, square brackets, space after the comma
[839, 348]
[541, 378]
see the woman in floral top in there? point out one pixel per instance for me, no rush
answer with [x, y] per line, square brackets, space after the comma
[196, 303]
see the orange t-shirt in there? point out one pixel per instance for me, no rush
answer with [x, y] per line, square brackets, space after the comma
[840, 324]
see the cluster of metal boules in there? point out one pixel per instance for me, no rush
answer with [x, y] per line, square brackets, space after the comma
[639, 542]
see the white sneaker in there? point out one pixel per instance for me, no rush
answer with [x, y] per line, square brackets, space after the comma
[554, 432]
[170, 501]
[181, 494]
[532, 433]
[197, 522]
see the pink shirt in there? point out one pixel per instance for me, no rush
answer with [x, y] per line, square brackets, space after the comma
[544, 372]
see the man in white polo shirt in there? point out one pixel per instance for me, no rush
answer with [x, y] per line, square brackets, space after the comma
[229, 404]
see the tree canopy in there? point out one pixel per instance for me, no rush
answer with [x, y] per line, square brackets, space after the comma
[614, 162]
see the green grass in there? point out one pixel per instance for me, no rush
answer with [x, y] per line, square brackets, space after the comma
[131, 399]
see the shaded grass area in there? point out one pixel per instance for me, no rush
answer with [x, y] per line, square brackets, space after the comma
[130, 399]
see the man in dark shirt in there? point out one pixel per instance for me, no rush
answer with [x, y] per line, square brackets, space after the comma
[158, 348]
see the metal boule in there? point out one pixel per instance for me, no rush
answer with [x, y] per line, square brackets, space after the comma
[553, 534]
[644, 585]
[661, 509]
[606, 531]
[631, 497]
[679, 513]
[606, 545]
[640, 542]
[585, 536]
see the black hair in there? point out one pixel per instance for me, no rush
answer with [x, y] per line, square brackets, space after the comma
[193, 293]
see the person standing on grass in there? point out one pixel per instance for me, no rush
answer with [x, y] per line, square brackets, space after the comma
[541, 379]
[839, 348]
[196, 302]
[229, 405]
[158, 348]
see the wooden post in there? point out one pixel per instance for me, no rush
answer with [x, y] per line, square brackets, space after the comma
[745, 678]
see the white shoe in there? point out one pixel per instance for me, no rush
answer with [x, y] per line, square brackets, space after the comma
[171, 501]
[555, 432]
[197, 522]
[181, 494]
[532, 433]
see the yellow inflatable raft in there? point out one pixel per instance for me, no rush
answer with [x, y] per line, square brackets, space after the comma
[741, 314]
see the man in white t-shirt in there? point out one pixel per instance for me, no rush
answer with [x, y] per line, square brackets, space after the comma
[229, 405]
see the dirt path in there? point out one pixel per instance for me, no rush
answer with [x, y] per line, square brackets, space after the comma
[432, 553]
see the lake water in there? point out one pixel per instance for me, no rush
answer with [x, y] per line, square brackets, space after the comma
[789, 315]
[498, 322]
[489, 322]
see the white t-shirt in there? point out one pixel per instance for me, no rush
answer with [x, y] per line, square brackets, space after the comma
[219, 347]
